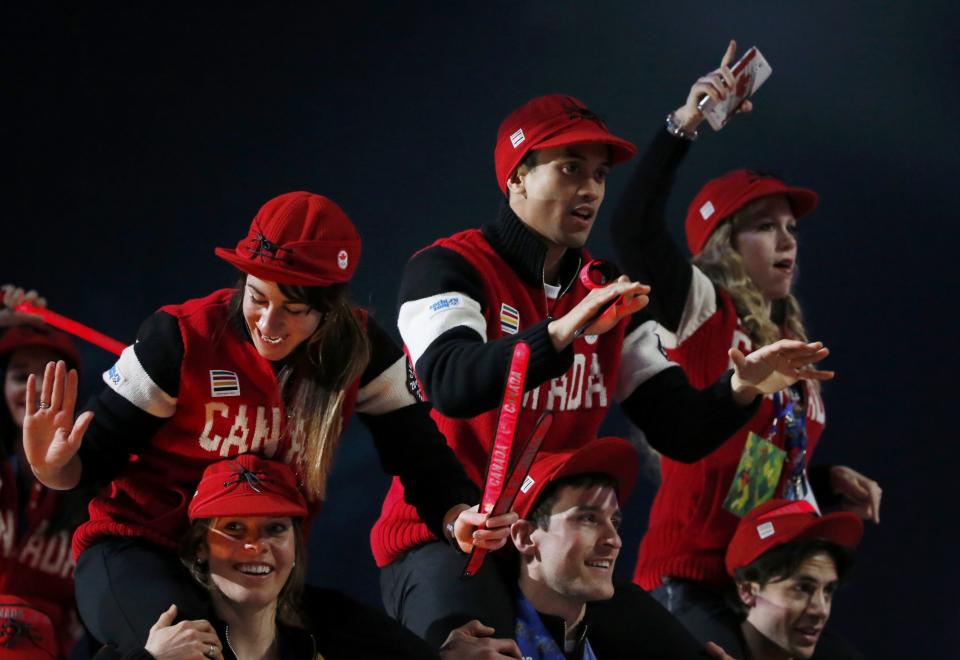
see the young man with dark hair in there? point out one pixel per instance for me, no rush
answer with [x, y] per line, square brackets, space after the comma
[787, 562]
[563, 551]
[567, 540]
[467, 299]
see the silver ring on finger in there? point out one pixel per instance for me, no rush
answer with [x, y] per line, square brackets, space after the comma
[211, 652]
[43, 405]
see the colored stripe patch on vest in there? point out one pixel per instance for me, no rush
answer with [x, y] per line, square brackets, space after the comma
[224, 383]
[509, 319]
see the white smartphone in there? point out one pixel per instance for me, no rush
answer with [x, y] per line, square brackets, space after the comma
[750, 71]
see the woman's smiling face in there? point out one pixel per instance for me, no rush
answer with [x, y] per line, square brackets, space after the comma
[250, 558]
[276, 325]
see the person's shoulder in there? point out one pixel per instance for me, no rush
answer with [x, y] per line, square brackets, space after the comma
[440, 269]
[460, 244]
[217, 302]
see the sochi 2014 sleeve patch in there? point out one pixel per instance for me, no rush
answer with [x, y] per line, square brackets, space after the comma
[130, 380]
[421, 321]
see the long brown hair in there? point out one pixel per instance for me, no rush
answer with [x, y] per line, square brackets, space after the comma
[315, 377]
[288, 610]
[720, 261]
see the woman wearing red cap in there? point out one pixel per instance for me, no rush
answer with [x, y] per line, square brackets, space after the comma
[275, 367]
[244, 547]
[36, 523]
[734, 299]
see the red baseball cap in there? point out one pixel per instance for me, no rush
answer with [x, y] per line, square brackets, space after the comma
[26, 633]
[555, 120]
[43, 336]
[777, 522]
[298, 238]
[722, 197]
[613, 456]
[247, 485]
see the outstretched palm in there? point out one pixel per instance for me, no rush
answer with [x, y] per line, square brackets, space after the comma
[51, 437]
[776, 366]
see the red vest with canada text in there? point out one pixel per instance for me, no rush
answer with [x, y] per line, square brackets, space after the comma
[579, 399]
[229, 403]
[34, 565]
[689, 530]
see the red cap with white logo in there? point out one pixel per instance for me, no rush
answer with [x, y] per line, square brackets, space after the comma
[555, 120]
[41, 336]
[777, 522]
[611, 456]
[722, 197]
[298, 238]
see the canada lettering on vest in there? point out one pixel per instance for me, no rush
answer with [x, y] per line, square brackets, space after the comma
[48, 554]
[582, 386]
[235, 422]
[8, 530]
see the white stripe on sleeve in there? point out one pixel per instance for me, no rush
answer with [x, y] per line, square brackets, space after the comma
[641, 359]
[422, 321]
[701, 305]
[130, 380]
[387, 392]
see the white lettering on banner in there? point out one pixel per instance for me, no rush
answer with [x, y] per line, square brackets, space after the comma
[7, 530]
[266, 431]
[575, 389]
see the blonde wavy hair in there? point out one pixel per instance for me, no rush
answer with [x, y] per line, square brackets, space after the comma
[720, 261]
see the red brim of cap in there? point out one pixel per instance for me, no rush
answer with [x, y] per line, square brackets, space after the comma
[802, 200]
[620, 150]
[246, 504]
[611, 456]
[13, 341]
[843, 528]
[269, 272]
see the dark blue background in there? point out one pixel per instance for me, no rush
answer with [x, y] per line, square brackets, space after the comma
[138, 139]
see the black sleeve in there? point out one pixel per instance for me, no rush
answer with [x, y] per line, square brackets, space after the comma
[111, 653]
[383, 352]
[682, 422]
[819, 476]
[119, 427]
[461, 374]
[408, 442]
[644, 248]
[412, 448]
